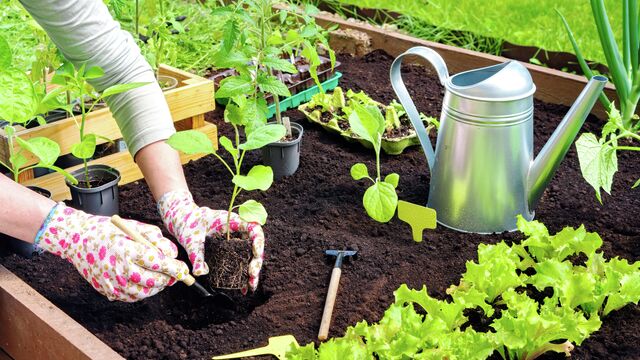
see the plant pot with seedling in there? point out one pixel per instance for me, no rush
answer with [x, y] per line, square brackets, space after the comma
[94, 188]
[255, 38]
[228, 255]
[17, 88]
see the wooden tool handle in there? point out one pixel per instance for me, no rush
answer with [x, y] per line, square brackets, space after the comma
[329, 303]
[137, 237]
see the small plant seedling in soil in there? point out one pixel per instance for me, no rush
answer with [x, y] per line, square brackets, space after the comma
[78, 82]
[380, 200]
[228, 256]
[20, 103]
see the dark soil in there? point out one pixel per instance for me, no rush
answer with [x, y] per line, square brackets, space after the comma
[320, 208]
[228, 261]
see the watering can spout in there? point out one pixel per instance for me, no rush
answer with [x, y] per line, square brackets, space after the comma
[549, 158]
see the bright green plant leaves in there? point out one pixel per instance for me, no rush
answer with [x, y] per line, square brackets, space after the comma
[392, 179]
[598, 162]
[260, 177]
[85, 148]
[5, 54]
[234, 86]
[191, 142]
[262, 136]
[46, 150]
[280, 65]
[252, 211]
[228, 145]
[368, 123]
[18, 102]
[271, 84]
[380, 200]
[359, 171]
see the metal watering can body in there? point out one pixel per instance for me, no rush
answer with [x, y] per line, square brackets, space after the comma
[483, 173]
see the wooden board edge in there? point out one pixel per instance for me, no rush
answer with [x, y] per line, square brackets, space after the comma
[33, 327]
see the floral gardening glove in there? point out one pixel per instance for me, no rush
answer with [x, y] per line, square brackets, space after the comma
[190, 224]
[111, 261]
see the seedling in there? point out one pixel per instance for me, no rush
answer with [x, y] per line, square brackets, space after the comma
[418, 217]
[259, 177]
[77, 82]
[21, 102]
[380, 200]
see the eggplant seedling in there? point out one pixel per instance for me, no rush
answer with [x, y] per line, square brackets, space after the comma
[380, 200]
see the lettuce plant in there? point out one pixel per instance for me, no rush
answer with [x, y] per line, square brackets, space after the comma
[598, 155]
[522, 328]
[20, 103]
[76, 81]
[259, 177]
[380, 199]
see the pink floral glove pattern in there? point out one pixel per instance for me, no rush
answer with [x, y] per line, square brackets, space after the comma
[190, 224]
[111, 261]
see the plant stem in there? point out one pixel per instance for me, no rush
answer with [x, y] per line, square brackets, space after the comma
[236, 191]
[85, 162]
[628, 148]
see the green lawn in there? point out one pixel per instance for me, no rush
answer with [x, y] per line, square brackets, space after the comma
[524, 22]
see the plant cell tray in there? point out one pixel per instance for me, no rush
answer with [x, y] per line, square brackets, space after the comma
[305, 96]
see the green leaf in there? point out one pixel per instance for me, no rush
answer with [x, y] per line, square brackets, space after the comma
[93, 72]
[359, 171]
[380, 200]
[252, 211]
[368, 123]
[271, 84]
[263, 135]
[191, 142]
[85, 148]
[234, 115]
[279, 65]
[636, 184]
[233, 86]
[228, 145]
[598, 162]
[450, 313]
[230, 32]
[573, 288]
[18, 160]
[259, 177]
[46, 150]
[392, 179]
[120, 88]
[18, 101]
[5, 54]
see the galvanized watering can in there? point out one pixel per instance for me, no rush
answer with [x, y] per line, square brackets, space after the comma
[483, 173]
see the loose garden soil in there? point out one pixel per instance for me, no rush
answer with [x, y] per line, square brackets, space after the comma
[320, 208]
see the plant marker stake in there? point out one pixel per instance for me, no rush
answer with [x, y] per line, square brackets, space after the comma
[278, 347]
[137, 237]
[333, 291]
[418, 217]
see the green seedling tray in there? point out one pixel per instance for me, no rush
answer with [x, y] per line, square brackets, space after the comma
[393, 146]
[305, 96]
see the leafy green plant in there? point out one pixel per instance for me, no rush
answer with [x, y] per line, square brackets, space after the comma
[20, 103]
[259, 177]
[598, 156]
[524, 324]
[255, 38]
[380, 199]
[76, 81]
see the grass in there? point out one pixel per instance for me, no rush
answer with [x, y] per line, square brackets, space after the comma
[523, 22]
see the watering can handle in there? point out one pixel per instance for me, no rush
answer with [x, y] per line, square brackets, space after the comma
[405, 99]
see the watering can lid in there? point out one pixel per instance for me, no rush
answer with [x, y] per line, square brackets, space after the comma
[506, 81]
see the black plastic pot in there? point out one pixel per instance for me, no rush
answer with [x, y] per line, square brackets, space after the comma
[17, 246]
[284, 156]
[97, 200]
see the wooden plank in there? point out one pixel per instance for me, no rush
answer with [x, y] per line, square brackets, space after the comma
[4, 355]
[184, 102]
[34, 328]
[553, 86]
[122, 161]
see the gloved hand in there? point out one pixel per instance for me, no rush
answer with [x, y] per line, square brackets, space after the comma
[190, 224]
[111, 261]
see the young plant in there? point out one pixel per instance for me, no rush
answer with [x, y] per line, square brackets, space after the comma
[21, 102]
[259, 177]
[598, 156]
[380, 200]
[77, 82]
[255, 38]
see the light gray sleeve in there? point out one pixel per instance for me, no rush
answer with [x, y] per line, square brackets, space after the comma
[85, 32]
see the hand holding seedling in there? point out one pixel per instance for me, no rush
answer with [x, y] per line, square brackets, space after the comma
[117, 267]
[191, 224]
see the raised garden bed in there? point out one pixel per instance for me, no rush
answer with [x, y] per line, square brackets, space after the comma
[325, 203]
[188, 104]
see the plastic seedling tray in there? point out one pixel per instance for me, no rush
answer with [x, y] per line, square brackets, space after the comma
[305, 96]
